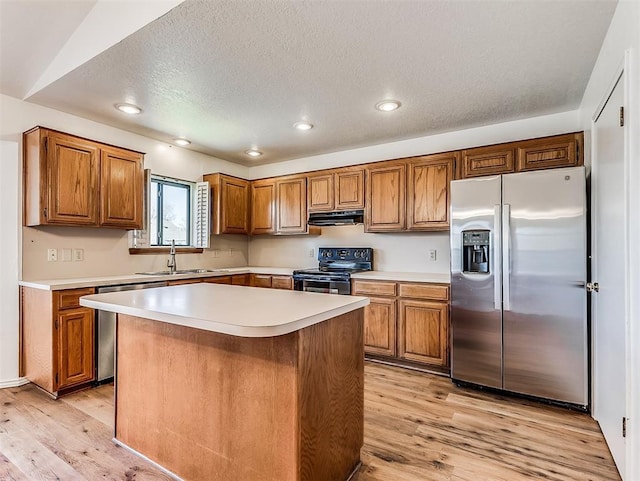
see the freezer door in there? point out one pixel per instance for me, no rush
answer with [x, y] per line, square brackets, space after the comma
[544, 318]
[476, 320]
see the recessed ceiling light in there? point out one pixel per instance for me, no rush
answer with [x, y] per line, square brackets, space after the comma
[182, 142]
[303, 125]
[388, 105]
[253, 153]
[129, 109]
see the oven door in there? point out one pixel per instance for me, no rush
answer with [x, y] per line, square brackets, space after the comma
[324, 285]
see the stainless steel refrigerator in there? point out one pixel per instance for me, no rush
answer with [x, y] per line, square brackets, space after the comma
[518, 275]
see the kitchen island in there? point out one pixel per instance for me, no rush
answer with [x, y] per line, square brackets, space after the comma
[218, 382]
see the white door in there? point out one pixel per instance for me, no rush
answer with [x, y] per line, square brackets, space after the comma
[608, 305]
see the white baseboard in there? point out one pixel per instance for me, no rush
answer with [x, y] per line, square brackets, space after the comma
[21, 381]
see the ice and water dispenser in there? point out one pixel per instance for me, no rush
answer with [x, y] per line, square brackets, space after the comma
[475, 251]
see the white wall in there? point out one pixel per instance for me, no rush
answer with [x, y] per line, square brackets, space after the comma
[623, 37]
[392, 252]
[9, 250]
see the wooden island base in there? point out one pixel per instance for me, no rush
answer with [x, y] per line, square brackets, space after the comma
[209, 406]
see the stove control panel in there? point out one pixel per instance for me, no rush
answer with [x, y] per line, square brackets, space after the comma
[350, 254]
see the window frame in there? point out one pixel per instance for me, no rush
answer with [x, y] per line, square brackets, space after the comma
[190, 187]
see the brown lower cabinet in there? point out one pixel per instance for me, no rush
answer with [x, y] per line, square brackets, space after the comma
[271, 281]
[57, 339]
[406, 322]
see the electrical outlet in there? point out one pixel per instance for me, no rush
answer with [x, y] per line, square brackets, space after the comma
[311, 252]
[230, 252]
[78, 255]
[66, 254]
[432, 255]
[52, 255]
[215, 253]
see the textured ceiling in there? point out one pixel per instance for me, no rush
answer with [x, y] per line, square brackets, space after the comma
[232, 75]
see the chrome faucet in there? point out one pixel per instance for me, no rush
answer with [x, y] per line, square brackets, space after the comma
[171, 262]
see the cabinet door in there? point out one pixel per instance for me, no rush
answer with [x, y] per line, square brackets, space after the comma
[241, 280]
[549, 152]
[385, 189]
[495, 159]
[260, 280]
[428, 192]
[121, 188]
[282, 282]
[72, 181]
[320, 193]
[349, 189]
[75, 347]
[234, 205]
[292, 206]
[380, 327]
[424, 332]
[263, 207]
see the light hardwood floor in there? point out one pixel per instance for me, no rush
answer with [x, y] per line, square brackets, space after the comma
[418, 427]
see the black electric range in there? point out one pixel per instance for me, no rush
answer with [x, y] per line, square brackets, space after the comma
[333, 274]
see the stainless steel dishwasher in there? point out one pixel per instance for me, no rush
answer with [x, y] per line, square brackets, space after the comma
[106, 332]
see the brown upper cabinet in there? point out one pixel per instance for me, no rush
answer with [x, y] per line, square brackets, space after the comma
[535, 154]
[428, 179]
[230, 201]
[386, 200]
[411, 194]
[279, 205]
[550, 152]
[495, 159]
[291, 205]
[121, 190]
[263, 206]
[336, 190]
[78, 182]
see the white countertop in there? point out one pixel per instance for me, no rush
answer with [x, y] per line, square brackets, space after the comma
[403, 276]
[76, 283]
[234, 310]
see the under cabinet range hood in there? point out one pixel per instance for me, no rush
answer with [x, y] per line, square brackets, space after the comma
[349, 217]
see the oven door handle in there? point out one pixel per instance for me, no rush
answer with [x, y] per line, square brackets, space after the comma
[318, 278]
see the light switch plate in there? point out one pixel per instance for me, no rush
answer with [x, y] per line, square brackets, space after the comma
[432, 255]
[66, 254]
[78, 254]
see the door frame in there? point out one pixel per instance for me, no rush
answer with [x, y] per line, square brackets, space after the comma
[626, 73]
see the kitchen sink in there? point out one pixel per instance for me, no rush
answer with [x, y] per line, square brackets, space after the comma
[181, 271]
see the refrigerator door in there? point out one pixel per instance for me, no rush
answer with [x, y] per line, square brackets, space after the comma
[476, 319]
[544, 318]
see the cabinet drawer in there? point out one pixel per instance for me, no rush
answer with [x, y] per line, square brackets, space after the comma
[69, 299]
[424, 291]
[376, 288]
[281, 282]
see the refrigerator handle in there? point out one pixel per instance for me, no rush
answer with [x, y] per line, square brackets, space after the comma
[506, 261]
[497, 261]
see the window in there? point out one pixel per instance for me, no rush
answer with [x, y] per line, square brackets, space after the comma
[170, 212]
[174, 210]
